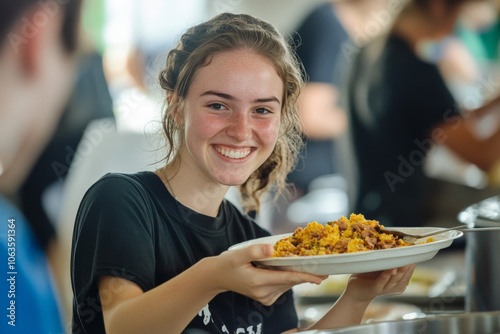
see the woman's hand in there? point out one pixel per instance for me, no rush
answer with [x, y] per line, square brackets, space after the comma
[367, 286]
[233, 271]
[361, 290]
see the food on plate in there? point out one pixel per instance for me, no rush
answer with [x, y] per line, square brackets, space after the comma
[355, 234]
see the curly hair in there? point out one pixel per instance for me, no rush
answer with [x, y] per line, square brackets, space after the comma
[227, 32]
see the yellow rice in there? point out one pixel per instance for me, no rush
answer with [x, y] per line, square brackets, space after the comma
[355, 234]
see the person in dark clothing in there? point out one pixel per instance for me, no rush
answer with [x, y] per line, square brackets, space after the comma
[325, 41]
[149, 249]
[319, 39]
[399, 107]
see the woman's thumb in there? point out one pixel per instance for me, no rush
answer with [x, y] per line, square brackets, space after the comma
[257, 252]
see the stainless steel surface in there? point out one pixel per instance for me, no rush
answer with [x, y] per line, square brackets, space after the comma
[462, 323]
[483, 214]
[482, 256]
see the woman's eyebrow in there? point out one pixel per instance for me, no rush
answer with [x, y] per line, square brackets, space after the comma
[219, 94]
[232, 98]
[268, 99]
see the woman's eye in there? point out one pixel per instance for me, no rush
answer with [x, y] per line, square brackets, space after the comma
[262, 111]
[216, 106]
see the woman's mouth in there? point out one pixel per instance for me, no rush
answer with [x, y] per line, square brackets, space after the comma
[232, 152]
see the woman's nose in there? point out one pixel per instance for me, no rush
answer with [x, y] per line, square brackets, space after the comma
[240, 126]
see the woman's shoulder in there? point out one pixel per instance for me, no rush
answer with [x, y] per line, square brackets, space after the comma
[139, 181]
[118, 198]
[119, 187]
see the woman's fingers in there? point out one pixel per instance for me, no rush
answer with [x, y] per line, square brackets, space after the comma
[261, 251]
[263, 285]
[371, 285]
[254, 252]
[405, 278]
[294, 278]
[284, 281]
[399, 279]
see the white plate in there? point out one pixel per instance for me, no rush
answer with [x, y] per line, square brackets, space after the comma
[359, 262]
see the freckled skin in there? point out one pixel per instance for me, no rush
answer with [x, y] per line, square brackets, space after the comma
[240, 113]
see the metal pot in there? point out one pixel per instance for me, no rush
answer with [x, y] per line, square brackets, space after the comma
[462, 323]
[482, 256]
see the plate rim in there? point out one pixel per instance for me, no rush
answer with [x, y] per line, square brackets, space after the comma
[289, 260]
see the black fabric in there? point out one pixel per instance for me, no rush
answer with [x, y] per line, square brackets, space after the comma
[129, 226]
[319, 39]
[395, 101]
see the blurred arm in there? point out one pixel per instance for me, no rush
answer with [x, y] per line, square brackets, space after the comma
[321, 116]
[460, 136]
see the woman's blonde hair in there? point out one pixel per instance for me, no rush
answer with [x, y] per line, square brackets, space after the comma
[226, 32]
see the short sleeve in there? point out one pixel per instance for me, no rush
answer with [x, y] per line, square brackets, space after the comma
[113, 236]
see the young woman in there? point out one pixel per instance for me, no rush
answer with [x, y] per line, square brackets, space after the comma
[150, 249]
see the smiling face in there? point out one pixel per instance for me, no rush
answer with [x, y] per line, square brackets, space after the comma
[231, 117]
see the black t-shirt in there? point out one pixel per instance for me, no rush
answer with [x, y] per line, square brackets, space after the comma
[396, 102]
[129, 226]
[320, 36]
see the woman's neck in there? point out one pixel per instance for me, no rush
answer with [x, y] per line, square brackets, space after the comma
[192, 190]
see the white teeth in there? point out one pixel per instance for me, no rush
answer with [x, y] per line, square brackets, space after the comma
[233, 154]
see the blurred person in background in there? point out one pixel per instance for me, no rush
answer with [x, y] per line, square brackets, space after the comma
[323, 48]
[89, 100]
[400, 106]
[471, 51]
[325, 41]
[479, 30]
[42, 191]
[37, 65]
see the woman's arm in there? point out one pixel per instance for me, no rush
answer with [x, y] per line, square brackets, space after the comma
[173, 304]
[127, 309]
